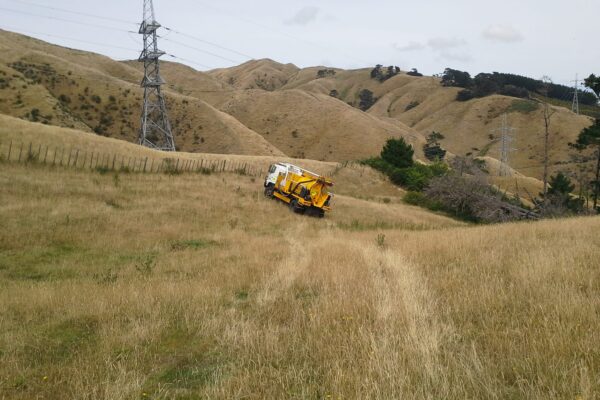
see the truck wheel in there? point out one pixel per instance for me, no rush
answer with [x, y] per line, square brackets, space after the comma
[295, 207]
[269, 191]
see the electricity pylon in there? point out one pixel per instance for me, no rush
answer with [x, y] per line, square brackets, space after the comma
[155, 131]
[506, 140]
[575, 106]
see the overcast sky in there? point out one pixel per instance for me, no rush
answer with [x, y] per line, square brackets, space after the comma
[530, 37]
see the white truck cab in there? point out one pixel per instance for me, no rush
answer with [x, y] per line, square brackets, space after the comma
[280, 169]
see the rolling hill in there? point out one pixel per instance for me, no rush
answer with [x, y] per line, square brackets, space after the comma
[266, 108]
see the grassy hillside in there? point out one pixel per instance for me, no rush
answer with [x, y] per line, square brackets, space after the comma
[74, 89]
[266, 108]
[234, 296]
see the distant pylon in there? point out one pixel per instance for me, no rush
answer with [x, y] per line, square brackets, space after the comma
[506, 140]
[155, 130]
[575, 106]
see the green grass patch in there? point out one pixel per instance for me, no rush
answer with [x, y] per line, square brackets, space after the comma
[195, 244]
[523, 106]
[189, 363]
[486, 149]
[63, 340]
[38, 263]
[360, 226]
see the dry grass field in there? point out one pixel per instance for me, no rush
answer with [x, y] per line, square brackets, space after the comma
[133, 286]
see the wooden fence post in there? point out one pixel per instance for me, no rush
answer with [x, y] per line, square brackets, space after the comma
[46, 155]
[39, 152]
[29, 153]
[9, 150]
[20, 151]
[76, 158]
[113, 163]
[70, 153]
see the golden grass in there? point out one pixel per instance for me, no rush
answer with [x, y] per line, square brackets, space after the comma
[152, 286]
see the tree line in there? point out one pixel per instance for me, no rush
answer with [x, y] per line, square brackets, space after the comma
[485, 84]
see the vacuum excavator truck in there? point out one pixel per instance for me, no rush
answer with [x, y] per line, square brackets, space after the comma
[303, 190]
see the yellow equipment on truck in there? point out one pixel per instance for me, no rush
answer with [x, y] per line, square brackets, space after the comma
[303, 190]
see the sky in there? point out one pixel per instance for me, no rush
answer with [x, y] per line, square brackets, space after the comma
[535, 38]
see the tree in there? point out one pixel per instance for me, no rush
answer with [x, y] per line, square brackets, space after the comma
[558, 199]
[465, 95]
[398, 153]
[453, 77]
[376, 72]
[560, 184]
[414, 72]
[547, 115]
[366, 99]
[485, 84]
[593, 82]
[590, 136]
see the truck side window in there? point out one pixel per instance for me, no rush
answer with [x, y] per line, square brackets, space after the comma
[273, 168]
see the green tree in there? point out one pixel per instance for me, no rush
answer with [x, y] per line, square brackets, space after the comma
[559, 193]
[590, 137]
[366, 99]
[560, 184]
[398, 153]
[454, 77]
[593, 82]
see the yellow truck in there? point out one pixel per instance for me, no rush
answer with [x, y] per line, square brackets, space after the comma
[302, 190]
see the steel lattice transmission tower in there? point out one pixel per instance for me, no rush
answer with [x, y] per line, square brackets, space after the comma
[155, 131]
[575, 106]
[506, 140]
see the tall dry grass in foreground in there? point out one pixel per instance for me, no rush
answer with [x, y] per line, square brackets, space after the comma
[147, 286]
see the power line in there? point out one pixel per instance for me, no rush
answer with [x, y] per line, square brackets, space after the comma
[75, 12]
[268, 28]
[128, 31]
[129, 23]
[209, 43]
[189, 61]
[200, 50]
[73, 39]
[86, 24]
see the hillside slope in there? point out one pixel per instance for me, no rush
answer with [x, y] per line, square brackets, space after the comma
[469, 127]
[68, 88]
[266, 108]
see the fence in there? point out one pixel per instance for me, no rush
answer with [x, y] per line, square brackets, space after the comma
[77, 159]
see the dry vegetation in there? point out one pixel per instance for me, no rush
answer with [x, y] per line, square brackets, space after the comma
[266, 108]
[150, 286]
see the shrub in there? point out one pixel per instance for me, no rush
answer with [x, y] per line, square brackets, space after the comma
[323, 73]
[414, 72]
[465, 95]
[417, 177]
[412, 105]
[398, 153]
[472, 199]
[366, 99]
